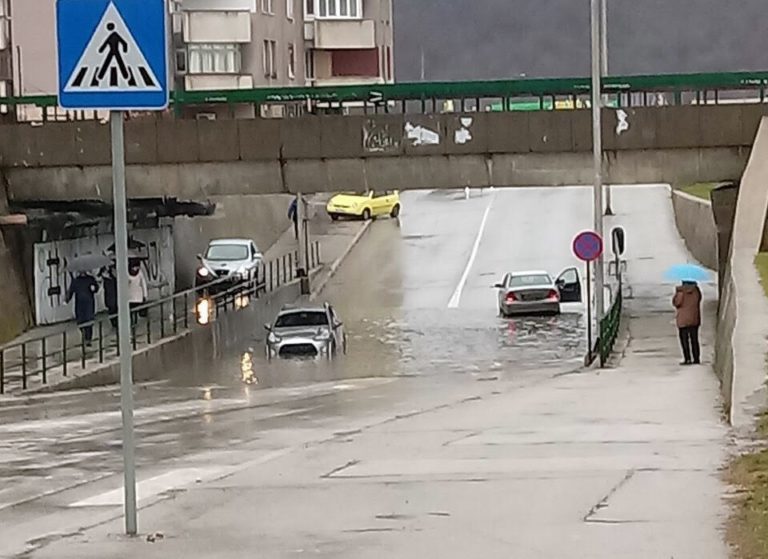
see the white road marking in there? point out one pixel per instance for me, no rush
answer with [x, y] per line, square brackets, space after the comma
[456, 298]
[149, 489]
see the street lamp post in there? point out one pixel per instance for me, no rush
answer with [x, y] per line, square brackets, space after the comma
[597, 150]
[604, 69]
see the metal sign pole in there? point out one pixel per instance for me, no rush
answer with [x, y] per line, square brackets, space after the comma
[597, 151]
[124, 318]
[604, 69]
[589, 313]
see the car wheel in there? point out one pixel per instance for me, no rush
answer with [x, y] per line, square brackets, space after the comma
[395, 213]
[366, 214]
[335, 217]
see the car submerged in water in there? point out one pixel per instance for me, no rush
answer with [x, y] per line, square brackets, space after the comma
[306, 332]
[529, 293]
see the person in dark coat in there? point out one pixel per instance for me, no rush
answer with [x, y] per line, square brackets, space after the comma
[84, 288]
[687, 303]
[109, 279]
[293, 215]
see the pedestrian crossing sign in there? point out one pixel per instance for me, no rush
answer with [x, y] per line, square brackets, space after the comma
[112, 54]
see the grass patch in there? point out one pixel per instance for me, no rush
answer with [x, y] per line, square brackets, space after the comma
[761, 263]
[700, 189]
[748, 525]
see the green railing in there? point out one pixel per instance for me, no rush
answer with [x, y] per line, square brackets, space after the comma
[423, 91]
[609, 329]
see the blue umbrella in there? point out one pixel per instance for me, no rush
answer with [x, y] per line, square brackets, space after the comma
[688, 272]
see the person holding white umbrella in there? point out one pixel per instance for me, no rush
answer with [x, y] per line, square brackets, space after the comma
[137, 289]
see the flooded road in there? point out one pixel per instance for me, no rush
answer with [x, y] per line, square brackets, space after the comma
[418, 305]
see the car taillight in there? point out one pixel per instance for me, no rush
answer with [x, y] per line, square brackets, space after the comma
[511, 297]
[553, 295]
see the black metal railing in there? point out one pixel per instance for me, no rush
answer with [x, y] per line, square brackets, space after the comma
[66, 352]
[609, 329]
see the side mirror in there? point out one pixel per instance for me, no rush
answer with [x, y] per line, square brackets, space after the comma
[499, 286]
[338, 324]
[268, 327]
[200, 257]
[560, 282]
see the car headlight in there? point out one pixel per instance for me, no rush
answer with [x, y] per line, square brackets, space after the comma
[322, 336]
[273, 338]
[203, 272]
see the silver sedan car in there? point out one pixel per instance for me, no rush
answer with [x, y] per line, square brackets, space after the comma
[535, 292]
[306, 332]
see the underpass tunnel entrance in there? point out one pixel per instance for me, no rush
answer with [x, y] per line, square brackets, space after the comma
[419, 295]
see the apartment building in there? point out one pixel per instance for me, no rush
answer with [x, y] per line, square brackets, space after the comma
[223, 44]
[242, 44]
[6, 51]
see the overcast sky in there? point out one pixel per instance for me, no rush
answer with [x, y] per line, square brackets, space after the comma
[494, 39]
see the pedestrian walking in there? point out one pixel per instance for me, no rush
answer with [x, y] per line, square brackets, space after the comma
[83, 289]
[109, 280]
[293, 215]
[687, 303]
[137, 290]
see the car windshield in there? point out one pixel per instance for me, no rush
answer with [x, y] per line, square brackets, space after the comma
[302, 318]
[227, 252]
[525, 281]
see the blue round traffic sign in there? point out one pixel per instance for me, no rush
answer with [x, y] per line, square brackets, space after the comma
[588, 246]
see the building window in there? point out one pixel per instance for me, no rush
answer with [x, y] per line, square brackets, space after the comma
[181, 61]
[309, 64]
[267, 6]
[289, 9]
[340, 9]
[270, 56]
[214, 58]
[309, 7]
[291, 61]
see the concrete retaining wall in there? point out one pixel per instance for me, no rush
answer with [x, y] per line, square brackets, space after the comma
[199, 159]
[261, 218]
[696, 224]
[201, 181]
[743, 318]
[16, 313]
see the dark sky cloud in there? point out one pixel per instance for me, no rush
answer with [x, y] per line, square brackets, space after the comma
[493, 39]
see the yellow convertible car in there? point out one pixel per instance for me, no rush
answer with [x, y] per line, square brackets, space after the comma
[367, 205]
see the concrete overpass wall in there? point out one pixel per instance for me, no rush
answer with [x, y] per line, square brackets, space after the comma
[199, 159]
[742, 325]
[696, 224]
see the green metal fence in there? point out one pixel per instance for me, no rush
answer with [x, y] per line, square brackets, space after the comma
[542, 91]
[609, 329]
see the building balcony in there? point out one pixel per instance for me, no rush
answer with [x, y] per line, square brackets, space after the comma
[213, 82]
[338, 34]
[217, 27]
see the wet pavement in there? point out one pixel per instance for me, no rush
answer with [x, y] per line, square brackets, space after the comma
[402, 447]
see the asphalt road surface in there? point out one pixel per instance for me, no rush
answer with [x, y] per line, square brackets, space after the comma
[430, 363]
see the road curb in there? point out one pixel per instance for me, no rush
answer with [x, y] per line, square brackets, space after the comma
[321, 285]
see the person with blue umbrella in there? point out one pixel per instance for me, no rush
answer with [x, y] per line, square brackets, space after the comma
[687, 303]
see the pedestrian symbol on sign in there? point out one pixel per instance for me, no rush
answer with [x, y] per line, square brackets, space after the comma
[112, 60]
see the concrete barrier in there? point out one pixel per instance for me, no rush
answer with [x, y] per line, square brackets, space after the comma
[696, 224]
[743, 317]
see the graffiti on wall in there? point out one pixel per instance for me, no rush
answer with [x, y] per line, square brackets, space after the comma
[379, 137]
[152, 248]
[421, 135]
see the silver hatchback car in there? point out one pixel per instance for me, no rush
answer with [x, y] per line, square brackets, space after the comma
[522, 293]
[306, 332]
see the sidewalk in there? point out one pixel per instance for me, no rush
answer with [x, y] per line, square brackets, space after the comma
[598, 464]
[336, 240]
